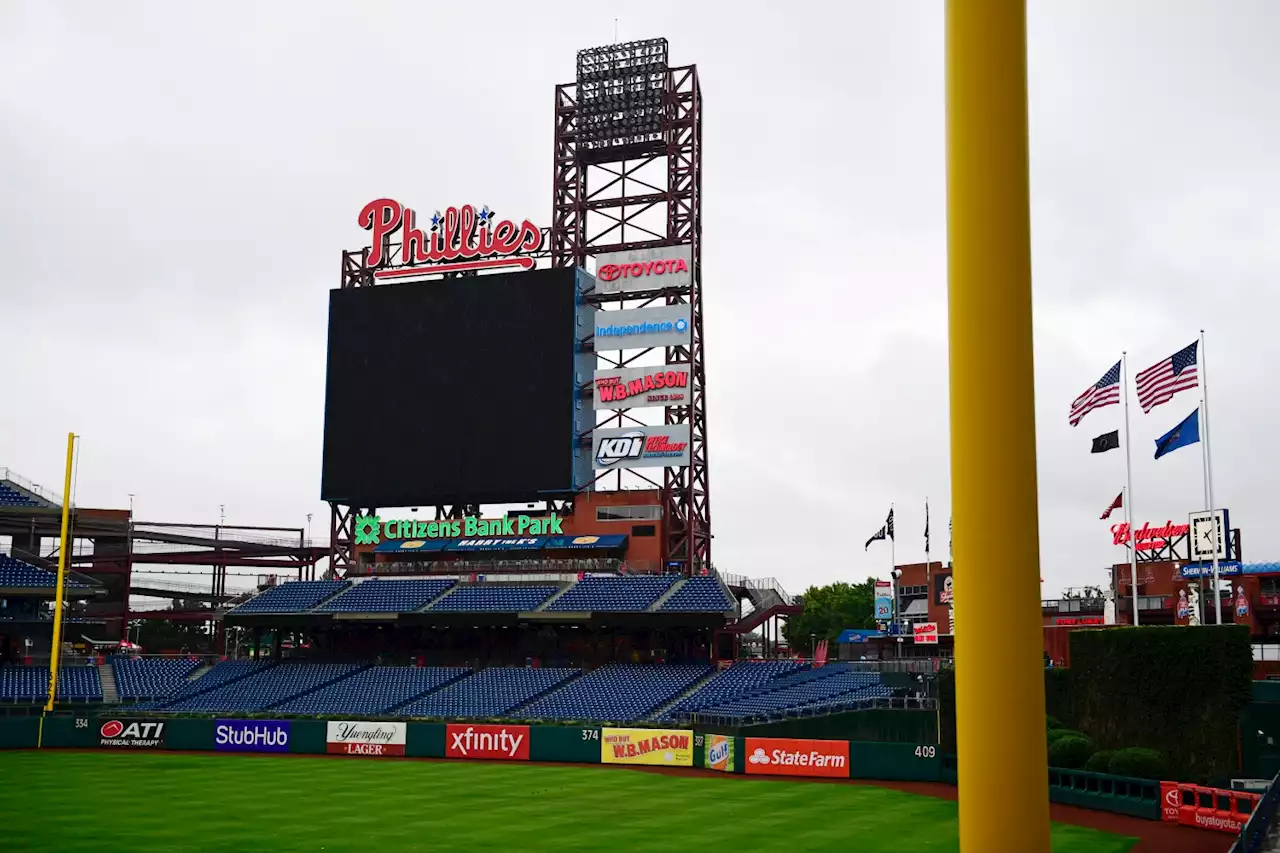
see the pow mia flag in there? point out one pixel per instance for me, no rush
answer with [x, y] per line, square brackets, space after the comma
[1106, 441]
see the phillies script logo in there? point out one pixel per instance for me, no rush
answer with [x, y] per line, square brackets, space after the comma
[637, 445]
[504, 742]
[459, 239]
[640, 269]
[1148, 538]
[613, 388]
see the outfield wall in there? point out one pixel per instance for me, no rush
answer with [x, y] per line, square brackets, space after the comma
[749, 755]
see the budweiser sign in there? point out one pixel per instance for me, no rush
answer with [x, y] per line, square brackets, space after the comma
[1148, 538]
[461, 238]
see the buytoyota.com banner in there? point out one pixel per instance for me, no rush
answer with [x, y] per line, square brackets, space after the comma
[644, 269]
[641, 447]
[641, 387]
[350, 738]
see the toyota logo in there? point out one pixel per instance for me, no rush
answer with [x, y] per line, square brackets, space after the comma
[609, 272]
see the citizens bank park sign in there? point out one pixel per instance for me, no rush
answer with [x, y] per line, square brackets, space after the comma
[640, 387]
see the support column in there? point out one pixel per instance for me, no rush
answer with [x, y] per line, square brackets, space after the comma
[1003, 773]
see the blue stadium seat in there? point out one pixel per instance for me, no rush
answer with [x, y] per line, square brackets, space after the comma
[12, 497]
[374, 691]
[387, 596]
[831, 687]
[271, 686]
[614, 593]
[490, 693]
[616, 693]
[744, 678]
[494, 597]
[151, 678]
[292, 597]
[31, 684]
[221, 673]
[698, 595]
[16, 573]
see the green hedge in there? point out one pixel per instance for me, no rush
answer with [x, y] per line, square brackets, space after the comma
[1176, 690]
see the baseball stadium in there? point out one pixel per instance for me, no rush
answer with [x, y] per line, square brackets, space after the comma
[514, 636]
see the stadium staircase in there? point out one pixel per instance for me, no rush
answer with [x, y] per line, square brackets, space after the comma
[107, 677]
[693, 688]
[550, 601]
[768, 599]
[662, 599]
[199, 671]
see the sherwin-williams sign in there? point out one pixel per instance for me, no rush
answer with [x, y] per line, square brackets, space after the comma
[644, 269]
[642, 387]
[370, 529]
[251, 735]
[642, 328]
[659, 747]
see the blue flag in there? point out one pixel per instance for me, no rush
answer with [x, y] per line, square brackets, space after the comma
[1187, 432]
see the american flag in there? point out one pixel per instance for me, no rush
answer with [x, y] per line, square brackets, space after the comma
[1105, 392]
[1158, 383]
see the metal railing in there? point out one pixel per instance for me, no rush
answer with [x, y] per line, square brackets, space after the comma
[35, 488]
[231, 533]
[1254, 833]
[879, 702]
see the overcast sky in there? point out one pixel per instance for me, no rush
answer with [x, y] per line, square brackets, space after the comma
[177, 181]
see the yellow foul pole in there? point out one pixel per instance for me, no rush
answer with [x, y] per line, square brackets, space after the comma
[1003, 773]
[63, 549]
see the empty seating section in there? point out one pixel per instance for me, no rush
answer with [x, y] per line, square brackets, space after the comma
[698, 595]
[491, 693]
[272, 686]
[292, 597]
[614, 594]
[387, 596]
[501, 598]
[16, 573]
[221, 673]
[10, 496]
[374, 691]
[616, 693]
[31, 684]
[833, 685]
[151, 678]
[744, 678]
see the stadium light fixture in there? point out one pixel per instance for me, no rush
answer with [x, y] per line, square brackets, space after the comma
[620, 93]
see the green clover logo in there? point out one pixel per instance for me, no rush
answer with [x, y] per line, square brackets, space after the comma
[367, 527]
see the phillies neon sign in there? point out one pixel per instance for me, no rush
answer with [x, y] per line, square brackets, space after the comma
[461, 238]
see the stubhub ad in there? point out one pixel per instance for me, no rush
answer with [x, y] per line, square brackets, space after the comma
[251, 735]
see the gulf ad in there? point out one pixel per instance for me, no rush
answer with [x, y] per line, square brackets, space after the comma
[719, 753]
[659, 747]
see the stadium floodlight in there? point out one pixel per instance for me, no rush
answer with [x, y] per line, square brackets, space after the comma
[620, 89]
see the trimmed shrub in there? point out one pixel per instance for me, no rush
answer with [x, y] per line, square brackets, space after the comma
[1137, 762]
[1054, 735]
[1100, 761]
[1051, 723]
[1070, 752]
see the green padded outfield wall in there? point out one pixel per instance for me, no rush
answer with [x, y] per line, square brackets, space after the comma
[19, 732]
[579, 745]
[308, 736]
[424, 740]
[903, 762]
[189, 733]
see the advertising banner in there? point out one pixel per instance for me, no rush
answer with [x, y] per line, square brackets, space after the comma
[925, 633]
[664, 446]
[884, 601]
[644, 269]
[719, 753]
[642, 387]
[351, 738]
[506, 743]
[772, 756]
[251, 735]
[132, 734]
[661, 747]
[642, 328]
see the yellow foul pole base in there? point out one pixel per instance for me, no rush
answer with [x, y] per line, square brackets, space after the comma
[1003, 773]
[64, 547]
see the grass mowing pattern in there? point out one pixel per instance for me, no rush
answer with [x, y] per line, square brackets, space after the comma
[165, 803]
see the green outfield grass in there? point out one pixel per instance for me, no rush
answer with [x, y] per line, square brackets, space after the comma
[139, 802]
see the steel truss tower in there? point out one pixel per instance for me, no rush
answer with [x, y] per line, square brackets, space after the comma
[634, 189]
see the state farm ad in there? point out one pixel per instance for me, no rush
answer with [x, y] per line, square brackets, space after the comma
[350, 738]
[772, 756]
[504, 743]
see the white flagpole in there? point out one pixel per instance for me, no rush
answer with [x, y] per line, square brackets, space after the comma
[1129, 514]
[893, 568]
[926, 541]
[1208, 475]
